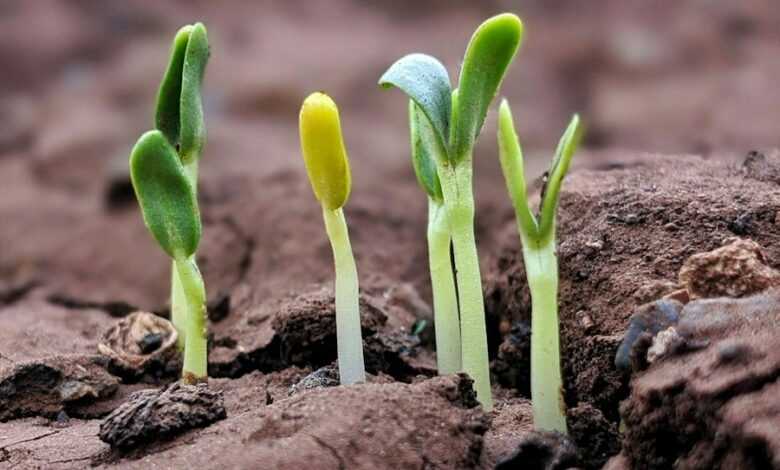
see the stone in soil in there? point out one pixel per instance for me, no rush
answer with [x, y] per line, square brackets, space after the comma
[151, 415]
[715, 407]
[49, 386]
[737, 269]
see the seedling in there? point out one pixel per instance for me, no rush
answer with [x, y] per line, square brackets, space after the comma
[179, 116]
[163, 170]
[325, 157]
[537, 235]
[453, 121]
[445, 301]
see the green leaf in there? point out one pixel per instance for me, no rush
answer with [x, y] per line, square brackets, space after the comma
[490, 51]
[193, 130]
[423, 155]
[512, 166]
[166, 117]
[166, 197]
[427, 83]
[560, 166]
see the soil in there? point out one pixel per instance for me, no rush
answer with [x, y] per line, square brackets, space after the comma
[76, 259]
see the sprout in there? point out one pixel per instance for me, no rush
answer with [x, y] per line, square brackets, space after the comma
[164, 172]
[445, 301]
[453, 122]
[179, 116]
[541, 265]
[326, 163]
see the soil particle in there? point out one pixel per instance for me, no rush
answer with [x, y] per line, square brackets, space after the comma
[541, 450]
[327, 376]
[715, 407]
[647, 319]
[49, 386]
[734, 270]
[141, 345]
[151, 415]
[399, 355]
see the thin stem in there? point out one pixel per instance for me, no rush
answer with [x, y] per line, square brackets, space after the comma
[459, 200]
[541, 267]
[348, 331]
[195, 351]
[178, 307]
[178, 302]
[445, 302]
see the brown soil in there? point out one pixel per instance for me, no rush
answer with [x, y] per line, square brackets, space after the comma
[76, 258]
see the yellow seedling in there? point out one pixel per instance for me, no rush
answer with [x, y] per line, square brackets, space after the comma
[328, 167]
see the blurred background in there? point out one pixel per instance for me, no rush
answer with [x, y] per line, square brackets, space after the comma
[79, 79]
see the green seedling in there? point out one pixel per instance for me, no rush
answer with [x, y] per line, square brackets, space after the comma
[445, 301]
[164, 172]
[453, 120]
[537, 235]
[327, 165]
[179, 116]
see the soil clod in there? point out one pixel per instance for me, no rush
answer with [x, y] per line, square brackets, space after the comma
[151, 415]
[53, 385]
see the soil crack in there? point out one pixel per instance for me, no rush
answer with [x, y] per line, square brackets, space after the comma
[36, 438]
[331, 449]
[113, 308]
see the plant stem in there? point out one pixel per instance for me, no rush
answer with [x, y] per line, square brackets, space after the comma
[445, 301]
[178, 305]
[348, 331]
[541, 267]
[195, 351]
[459, 201]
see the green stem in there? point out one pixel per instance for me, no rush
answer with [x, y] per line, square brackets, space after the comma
[178, 307]
[348, 331]
[178, 303]
[541, 267]
[195, 351]
[459, 201]
[445, 302]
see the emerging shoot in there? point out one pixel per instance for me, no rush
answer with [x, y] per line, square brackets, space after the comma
[164, 172]
[541, 265]
[445, 302]
[455, 119]
[327, 165]
[179, 116]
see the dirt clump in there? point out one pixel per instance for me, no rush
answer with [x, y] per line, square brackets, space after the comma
[53, 385]
[720, 394]
[151, 415]
[737, 269]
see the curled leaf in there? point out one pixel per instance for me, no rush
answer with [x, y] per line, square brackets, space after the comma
[324, 154]
[511, 157]
[423, 153]
[490, 51]
[166, 118]
[425, 80]
[568, 144]
[167, 199]
[193, 130]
